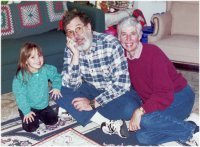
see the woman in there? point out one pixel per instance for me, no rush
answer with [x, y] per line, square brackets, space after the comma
[166, 97]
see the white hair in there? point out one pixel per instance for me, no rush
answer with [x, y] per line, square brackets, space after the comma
[127, 22]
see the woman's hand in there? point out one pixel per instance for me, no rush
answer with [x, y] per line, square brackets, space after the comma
[29, 117]
[135, 120]
[55, 94]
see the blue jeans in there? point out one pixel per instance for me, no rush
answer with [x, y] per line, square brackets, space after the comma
[168, 125]
[119, 108]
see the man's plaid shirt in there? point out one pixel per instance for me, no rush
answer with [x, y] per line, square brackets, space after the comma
[104, 66]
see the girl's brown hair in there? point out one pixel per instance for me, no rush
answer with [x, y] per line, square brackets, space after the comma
[25, 53]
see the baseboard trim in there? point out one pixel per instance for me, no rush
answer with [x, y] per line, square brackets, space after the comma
[189, 67]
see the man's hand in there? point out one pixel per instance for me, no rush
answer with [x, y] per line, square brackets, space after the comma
[29, 117]
[135, 120]
[72, 46]
[81, 104]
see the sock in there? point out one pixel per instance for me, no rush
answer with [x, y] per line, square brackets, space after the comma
[98, 118]
[196, 127]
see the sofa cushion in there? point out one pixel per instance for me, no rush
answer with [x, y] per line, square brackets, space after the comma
[181, 48]
[185, 18]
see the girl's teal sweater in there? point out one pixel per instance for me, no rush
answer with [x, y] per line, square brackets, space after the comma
[32, 91]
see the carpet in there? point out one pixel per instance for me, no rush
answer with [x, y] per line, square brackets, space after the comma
[69, 137]
[12, 134]
[111, 140]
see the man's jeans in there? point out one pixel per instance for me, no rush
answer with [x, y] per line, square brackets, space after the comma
[169, 125]
[119, 108]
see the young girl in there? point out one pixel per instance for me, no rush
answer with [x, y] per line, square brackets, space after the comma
[30, 88]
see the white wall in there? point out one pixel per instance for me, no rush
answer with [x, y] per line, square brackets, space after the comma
[149, 8]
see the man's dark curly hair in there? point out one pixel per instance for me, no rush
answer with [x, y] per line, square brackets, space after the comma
[68, 16]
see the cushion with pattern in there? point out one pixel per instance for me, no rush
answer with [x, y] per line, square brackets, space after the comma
[6, 21]
[32, 17]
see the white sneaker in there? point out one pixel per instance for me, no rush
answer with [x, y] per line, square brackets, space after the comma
[63, 114]
[194, 141]
[115, 127]
[193, 117]
[61, 111]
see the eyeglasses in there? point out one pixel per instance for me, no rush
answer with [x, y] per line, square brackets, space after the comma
[78, 30]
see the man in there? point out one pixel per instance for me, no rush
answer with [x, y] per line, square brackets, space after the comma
[96, 84]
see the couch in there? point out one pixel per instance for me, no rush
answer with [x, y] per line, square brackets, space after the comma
[37, 21]
[176, 32]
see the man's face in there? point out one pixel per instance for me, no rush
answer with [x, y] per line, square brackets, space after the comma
[129, 38]
[81, 34]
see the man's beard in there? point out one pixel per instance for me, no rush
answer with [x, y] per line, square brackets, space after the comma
[86, 45]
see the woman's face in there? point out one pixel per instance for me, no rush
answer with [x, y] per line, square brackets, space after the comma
[129, 38]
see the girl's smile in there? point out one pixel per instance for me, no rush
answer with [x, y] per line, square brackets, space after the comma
[35, 61]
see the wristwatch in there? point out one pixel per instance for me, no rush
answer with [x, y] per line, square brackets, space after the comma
[142, 109]
[92, 104]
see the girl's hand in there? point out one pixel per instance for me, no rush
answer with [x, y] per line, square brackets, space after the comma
[135, 120]
[55, 94]
[29, 117]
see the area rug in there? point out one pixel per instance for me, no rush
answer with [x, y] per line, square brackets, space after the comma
[12, 134]
[69, 137]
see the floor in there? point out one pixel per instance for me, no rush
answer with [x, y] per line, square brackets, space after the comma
[9, 107]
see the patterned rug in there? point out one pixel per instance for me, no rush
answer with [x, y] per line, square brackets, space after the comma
[12, 134]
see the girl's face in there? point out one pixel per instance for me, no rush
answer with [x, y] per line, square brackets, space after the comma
[35, 61]
[129, 38]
